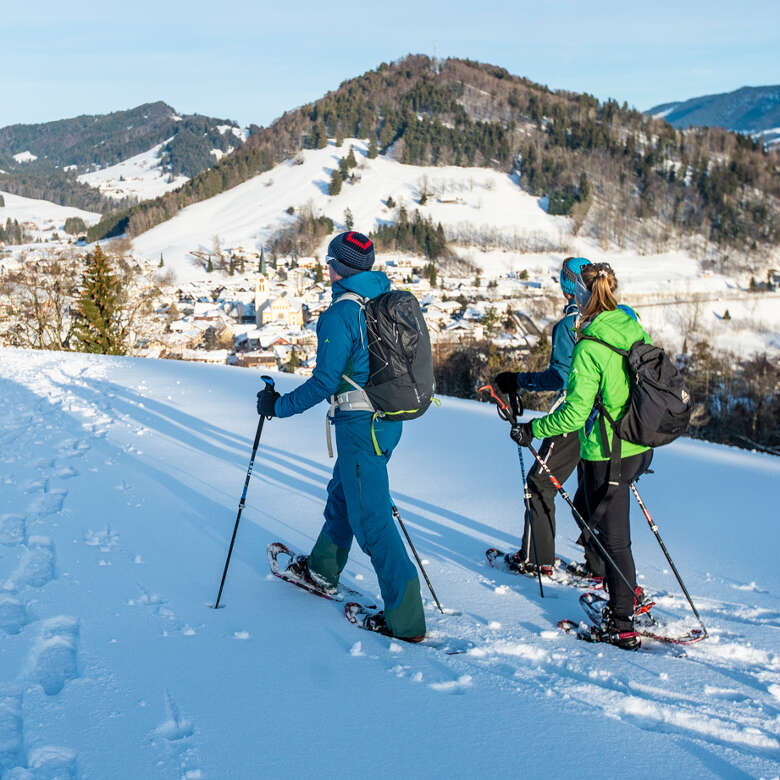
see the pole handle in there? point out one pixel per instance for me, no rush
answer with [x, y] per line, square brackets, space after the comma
[268, 380]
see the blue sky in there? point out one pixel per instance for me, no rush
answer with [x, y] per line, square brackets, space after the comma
[252, 61]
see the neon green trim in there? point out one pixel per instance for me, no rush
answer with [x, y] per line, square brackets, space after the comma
[377, 448]
[436, 401]
[400, 411]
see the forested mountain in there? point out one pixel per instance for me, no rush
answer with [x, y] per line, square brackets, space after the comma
[746, 110]
[621, 174]
[43, 160]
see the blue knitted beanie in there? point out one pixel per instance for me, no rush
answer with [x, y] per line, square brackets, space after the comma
[350, 253]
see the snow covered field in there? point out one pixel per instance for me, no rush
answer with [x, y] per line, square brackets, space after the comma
[46, 215]
[139, 176]
[119, 481]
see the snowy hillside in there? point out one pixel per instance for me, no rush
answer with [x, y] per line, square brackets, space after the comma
[140, 177]
[46, 216]
[490, 221]
[119, 481]
[462, 199]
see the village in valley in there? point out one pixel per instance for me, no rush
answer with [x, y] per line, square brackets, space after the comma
[267, 318]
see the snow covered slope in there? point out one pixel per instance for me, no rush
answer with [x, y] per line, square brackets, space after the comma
[140, 176]
[481, 199]
[47, 216]
[119, 481]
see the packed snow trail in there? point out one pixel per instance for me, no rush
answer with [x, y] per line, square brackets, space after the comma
[119, 481]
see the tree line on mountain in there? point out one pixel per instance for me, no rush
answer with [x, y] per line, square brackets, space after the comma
[99, 141]
[719, 186]
[44, 181]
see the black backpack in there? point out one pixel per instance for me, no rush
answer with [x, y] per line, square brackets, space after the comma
[659, 402]
[400, 383]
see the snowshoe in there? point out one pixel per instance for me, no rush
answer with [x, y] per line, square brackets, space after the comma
[559, 572]
[514, 563]
[297, 573]
[644, 624]
[361, 617]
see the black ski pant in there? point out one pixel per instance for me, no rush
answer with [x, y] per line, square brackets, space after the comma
[562, 456]
[609, 516]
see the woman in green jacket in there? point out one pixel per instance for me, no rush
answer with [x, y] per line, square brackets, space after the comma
[596, 370]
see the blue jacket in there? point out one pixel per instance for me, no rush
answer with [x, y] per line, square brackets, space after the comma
[555, 376]
[341, 345]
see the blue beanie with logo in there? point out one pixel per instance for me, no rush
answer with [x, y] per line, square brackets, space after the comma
[570, 271]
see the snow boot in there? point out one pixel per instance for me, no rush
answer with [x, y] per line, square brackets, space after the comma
[516, 562]
[582, 570]
[299, 569]
[618, 631]
[376, 622]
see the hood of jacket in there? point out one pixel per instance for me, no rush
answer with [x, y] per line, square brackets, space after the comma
[368, 284]
[617, 328]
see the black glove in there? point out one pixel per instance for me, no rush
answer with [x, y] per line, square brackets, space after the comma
[522, 434]
[266, 402]
[506, 382]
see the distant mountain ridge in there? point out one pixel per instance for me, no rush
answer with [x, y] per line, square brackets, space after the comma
[745, 110]
[621, 176]
[43, 160]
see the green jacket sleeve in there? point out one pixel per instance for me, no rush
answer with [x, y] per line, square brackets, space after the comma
[581, 391]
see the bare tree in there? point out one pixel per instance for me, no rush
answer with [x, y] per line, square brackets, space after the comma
[38, 299]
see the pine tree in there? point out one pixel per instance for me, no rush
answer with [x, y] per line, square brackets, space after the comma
[262, 262]
[334, 188]
[98, 308]
[161, 263]
[339, 136]
[351, 161]
[209, 266]
[294, 361]
[349, 220]
[373, 151]
[318, 274]
[319, 136]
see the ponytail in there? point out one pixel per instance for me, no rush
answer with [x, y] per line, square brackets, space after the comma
[600, 280]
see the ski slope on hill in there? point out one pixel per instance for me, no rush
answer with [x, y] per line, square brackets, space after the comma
[119, 482]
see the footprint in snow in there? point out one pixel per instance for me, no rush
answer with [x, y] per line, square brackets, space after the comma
[36, 566]
[36, 486]
[11, 743]
[47, 763]
[13, 529]
[53, 659]
[105, 539]
[13, 616]
[48, 503]
[175, 726]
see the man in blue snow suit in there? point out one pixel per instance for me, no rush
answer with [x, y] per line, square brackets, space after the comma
[561, 453]
[359, 503]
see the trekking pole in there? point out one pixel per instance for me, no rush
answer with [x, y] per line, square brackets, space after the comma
[517, 411]
[654, 529]
[269, 383]
[505, 414]
[397, 516]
